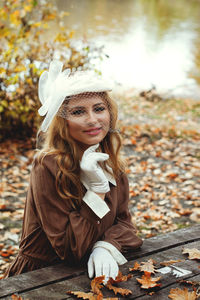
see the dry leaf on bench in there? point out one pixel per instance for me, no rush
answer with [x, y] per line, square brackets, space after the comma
[178, 294]
[193, 253]
[148, 266]
[119, 278]
[147, 281]
[95, 294]
[97, 284]
[170, 262]
[135, 267]
[115, 289]
[83, 295]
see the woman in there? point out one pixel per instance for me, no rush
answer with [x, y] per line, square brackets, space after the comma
[77, 202]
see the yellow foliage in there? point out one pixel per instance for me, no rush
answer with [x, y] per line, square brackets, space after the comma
[15, 17]
[2, 70]
[28, 8]
[49, 17]
[61, 37]
[19, 68]
[37, 24]
[21, 46]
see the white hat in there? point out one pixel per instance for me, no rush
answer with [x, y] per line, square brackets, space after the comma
[55, 86]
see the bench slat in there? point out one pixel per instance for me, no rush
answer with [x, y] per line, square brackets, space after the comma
[46, 276]
[82, 283]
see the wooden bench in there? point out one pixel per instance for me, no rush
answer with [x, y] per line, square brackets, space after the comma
[53, 282]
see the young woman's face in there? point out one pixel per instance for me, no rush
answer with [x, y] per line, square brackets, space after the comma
[88, 120]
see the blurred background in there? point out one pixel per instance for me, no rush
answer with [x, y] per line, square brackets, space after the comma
[149, 42]
[141, 44]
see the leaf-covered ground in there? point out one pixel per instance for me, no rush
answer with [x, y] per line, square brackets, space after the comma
[162, 148]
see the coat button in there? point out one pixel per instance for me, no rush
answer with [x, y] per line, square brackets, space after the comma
[98, 222]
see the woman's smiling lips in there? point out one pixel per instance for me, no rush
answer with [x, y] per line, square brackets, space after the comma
[93, 131]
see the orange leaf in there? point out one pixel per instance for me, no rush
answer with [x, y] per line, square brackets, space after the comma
[172, 175]
[193, 253]
[123, 292]
[120, 278]
[135, 267]
[97, 284]
[178, 294]
[6, 253]
[133, 141]
[147, 281]
[15, 297]
[170, 262]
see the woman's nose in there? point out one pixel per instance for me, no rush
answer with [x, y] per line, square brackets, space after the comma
[91, 117]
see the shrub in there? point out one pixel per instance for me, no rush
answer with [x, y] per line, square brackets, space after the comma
[27, 44]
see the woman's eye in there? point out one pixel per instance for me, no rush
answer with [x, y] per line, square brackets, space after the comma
[100, 108]
[77, 112]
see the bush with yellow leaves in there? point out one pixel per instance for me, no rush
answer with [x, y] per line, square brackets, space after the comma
[27, 44]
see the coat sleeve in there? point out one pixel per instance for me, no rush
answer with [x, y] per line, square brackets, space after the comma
[122, 234]
[69, 232]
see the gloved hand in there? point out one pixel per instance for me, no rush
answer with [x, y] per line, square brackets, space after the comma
[101, 263]
[92, 171]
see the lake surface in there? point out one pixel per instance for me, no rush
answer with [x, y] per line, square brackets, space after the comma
[149, 42]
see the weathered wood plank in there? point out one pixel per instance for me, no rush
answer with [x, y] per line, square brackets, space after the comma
[167, 241]
[48, 275]
[37, 278]
[82, 283]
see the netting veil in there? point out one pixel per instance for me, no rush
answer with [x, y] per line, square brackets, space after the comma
[56, 87]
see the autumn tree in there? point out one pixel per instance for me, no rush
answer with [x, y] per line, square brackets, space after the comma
[31, 34]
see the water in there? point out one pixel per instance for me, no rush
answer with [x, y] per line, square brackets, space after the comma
[149, 42]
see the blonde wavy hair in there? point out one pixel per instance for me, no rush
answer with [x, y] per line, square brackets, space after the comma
[58, 142]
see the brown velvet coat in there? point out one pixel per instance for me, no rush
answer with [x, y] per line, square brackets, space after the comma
[53, 231]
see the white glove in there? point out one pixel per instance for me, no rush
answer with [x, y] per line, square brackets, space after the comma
[101, 262]
[92, 171]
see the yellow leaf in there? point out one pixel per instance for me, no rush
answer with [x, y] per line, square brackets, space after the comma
[19, 68]
[45, 25]
[71, 34]
[27, 8]
[2, 70]
[37, 24]
[60, 38]
[15, 17]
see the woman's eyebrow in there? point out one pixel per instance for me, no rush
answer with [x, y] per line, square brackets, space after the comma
[76, 107]
[100, 103]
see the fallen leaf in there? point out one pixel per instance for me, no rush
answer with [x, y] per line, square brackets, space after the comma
[78, 294]
[147, 281]
[178, 294]
[120, 278]
[16, 297]
[193, 253]
[97, 284]
[148, 266]
[123, 292]
[170, 262]
[135, 267]
[115, 289]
